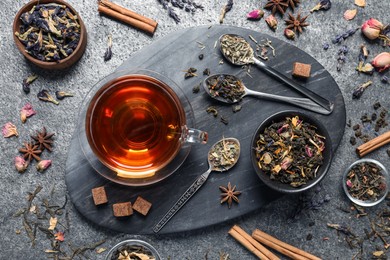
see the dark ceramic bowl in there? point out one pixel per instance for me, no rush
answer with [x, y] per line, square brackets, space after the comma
[327, 153]
[51, 65]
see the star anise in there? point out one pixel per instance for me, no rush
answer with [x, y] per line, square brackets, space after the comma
[229, 194]
[293, 3]
[296, 23]
[276, 5]
[43, 140]
[30, 151]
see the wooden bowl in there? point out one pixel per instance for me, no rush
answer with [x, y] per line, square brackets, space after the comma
[327, 153]
[51, 65]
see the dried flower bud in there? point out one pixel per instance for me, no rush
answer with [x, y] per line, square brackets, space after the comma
[272, 22]
[256, 14]
[290, 34]
[26, 112]
[60, 95]
[43, 165]
[382, 61]
[27, 81]
[9, 130]
[45, 96]
[349, 183]
[20, 164]
[372, 28]
[323, 4]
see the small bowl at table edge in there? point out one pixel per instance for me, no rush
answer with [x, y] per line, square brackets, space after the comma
[136, 242]
[327, 154]
[50, 65]
[362, 202]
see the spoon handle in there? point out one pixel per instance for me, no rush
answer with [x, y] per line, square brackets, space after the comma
[300, 102]
[304, 91]
[182, 200]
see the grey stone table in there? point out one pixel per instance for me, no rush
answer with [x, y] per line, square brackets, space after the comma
[287, 218]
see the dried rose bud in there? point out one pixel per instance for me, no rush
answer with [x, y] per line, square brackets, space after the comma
[272, 22]
[290, 34]
[26, 112]
[349, 183]
[20, 164]
[372, 28]
[382, 61]
[256, 14]
[43, 165]
[9, 130]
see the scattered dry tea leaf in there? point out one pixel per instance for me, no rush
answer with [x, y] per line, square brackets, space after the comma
[33, 209]
[101, 250]
[378, 253]
[18, 231]
[49, 251]
[53, 223]
[350, 14]
[361, 3]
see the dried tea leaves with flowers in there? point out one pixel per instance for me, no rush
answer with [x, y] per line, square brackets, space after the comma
[366, 182]
[132, 252]
[227, 87]
[224, 154]
[50, 32]
[229, 194]
[290, 151]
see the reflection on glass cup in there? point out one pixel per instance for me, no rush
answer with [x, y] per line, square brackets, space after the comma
[136, 124]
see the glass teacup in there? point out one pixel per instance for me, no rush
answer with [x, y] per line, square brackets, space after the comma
[138, 124]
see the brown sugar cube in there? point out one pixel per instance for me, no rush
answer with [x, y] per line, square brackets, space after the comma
[301, 70]
[122, 209]
[142, 206]
[99, 195]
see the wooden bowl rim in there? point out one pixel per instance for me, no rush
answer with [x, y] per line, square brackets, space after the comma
[45, 64]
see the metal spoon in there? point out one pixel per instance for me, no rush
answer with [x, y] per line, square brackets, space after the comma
[219, 78]
[250, 59]
[213, 166]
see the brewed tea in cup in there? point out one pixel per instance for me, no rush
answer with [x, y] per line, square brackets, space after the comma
[136, 125]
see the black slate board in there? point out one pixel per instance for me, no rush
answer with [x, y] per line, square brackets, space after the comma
[170, 56]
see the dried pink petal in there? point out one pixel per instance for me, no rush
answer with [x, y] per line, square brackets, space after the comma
[9, 130]
[349, 183]
[350, 14]
[43, 165]
[255, 14]
[272, 22]
[360, 3]
[286, 163]
[20, 164]
[382, 61]
[26, 112]
[308, 151]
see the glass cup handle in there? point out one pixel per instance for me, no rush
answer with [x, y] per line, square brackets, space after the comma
[191, 135]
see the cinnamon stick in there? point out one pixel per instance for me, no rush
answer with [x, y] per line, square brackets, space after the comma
[373, 144]
[268, 254]
[127, 19]
[127, 12]
[282, 247]
[246, 244]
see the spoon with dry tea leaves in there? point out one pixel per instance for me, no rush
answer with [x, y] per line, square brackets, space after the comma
[222, 156]
[230, 89]
[239, 52]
